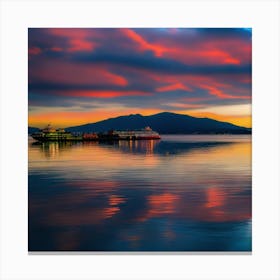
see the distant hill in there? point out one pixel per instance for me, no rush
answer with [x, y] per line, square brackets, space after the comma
[164, 123]
[32, 129]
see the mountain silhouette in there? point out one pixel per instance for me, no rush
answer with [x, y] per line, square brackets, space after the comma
[163, 123]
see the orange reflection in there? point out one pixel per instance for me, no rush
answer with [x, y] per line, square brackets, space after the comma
[159, 205]
[215, 197]
[115, 200]
[162, 204]
[110, 212]
[143, 146]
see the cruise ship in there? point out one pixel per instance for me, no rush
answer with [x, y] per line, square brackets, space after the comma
[141, 134]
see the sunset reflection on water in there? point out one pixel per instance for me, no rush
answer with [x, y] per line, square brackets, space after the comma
[164, 195]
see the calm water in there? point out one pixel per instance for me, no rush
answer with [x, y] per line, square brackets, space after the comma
[182, 193]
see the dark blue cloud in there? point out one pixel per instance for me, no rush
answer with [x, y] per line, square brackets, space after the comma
[160, 65]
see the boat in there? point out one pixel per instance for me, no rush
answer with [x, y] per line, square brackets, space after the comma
[59, 135]
[141, 134]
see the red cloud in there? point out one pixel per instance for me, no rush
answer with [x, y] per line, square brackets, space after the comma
[221, 86]
[74, 74]
[204, 50]
[219, 93]
[143, 45]
[34, 51]
[201, 55]
[212, 84]
[56, 49]
[102, 94]
[80, 45]
[78, 39]
[173, 87]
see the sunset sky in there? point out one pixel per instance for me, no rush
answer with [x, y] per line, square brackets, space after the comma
[79, 76]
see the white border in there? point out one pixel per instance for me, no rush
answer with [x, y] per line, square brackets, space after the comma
[262, 16]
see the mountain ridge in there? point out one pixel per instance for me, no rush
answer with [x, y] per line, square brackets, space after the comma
[164, 123]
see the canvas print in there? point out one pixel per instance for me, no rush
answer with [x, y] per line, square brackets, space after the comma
[139, 139]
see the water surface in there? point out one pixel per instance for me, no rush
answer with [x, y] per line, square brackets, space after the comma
[180, 193]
